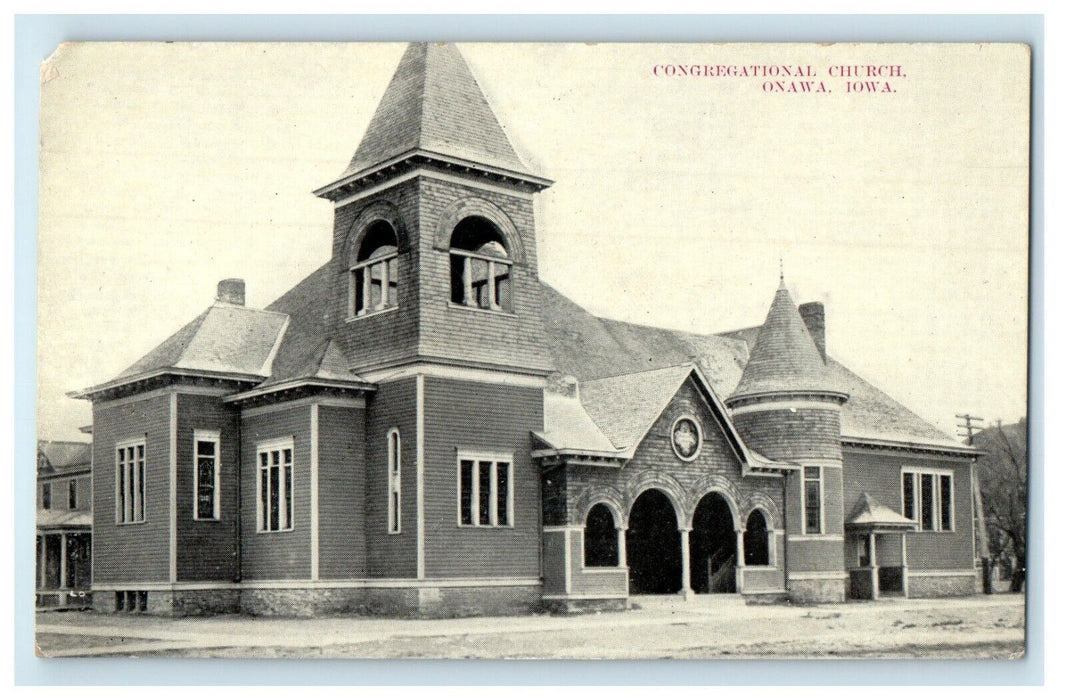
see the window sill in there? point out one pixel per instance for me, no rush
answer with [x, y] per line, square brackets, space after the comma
[371, 314]
[275, 532]
[603, 569]
[478, 309]
[132, 522]
[485, 527]
[207, 520]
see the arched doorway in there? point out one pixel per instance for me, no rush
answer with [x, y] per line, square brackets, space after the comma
[653, 545]
[714, 546]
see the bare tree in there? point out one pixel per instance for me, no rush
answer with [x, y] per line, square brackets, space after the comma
[1004, 490]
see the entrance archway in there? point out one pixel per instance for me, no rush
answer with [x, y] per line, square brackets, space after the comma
[653, 545]
[714, 546]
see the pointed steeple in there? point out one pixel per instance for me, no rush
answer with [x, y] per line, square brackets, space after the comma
[784, 357]
[434, 108]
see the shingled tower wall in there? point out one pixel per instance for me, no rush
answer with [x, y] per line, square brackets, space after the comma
[786, 408]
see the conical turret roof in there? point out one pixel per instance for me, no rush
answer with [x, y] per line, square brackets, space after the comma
[434, 105]
[784, 357]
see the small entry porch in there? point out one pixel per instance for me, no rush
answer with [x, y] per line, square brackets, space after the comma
[877, 550]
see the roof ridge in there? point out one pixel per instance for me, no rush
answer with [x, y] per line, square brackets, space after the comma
[690, 365]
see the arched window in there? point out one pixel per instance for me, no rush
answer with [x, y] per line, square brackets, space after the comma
[601, 538]
[481, 266]
[756, 540]
[394, 468]
[373, 274]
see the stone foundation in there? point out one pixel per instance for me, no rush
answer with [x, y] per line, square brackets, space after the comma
[940, 586]
[817, 591]
[577, 607]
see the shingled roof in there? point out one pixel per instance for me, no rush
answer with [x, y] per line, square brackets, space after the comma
[433, 104]
[225, 338]
[784, 357]
[589, 348]
[870, 514]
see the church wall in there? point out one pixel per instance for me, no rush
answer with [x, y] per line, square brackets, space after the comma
[341, 492]
[805, 434]
[207, 549]
[878, 473]
[393, 405]
[478, 417]
[135, 552]
[276, 555]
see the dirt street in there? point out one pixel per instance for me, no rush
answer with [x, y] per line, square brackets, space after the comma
[709, 627]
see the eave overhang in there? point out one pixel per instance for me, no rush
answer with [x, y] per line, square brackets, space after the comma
[417, 158]
[166, 375]
[960, 451]
[281, 389]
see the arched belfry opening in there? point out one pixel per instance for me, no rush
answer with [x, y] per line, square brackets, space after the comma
[374, 271]
[714, 546]
[653, 545]
[480, 265]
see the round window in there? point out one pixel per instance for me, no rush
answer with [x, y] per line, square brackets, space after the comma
[686, 438]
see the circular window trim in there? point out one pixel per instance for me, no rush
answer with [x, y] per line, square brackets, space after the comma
[699, 437]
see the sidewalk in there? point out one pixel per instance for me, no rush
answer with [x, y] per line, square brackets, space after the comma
[994, 624]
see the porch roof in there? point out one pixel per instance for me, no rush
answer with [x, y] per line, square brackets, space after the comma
[869, 515]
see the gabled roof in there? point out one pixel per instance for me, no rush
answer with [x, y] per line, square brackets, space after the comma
[869, 514]
[63, 455]
[434, 105]
[784, 357]
[225, 339]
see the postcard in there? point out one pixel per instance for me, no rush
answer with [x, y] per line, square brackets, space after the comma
[594, 351]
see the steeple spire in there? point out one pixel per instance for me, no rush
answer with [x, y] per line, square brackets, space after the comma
[434, 109]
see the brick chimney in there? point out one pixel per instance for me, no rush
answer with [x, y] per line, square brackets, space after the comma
[813, 313]
[231, 291]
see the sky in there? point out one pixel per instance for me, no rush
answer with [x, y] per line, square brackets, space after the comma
[677, 199]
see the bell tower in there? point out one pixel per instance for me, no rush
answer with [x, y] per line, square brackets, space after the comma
[434, 247]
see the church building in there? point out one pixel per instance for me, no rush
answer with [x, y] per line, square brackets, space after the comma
[422, 426]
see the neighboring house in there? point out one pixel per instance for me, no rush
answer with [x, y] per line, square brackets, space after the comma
[64, 524]
[421, 425]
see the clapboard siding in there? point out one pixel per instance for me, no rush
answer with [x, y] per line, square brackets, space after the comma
[393, 405]
[879, 474]
[487, 418]
[276, 555]
[207, 549]
[140, 551]
[341, 492]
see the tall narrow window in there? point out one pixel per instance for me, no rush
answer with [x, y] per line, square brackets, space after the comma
[130, 482]
[601, 537]
[46, 495]
[480, 265]
[394, 471]
[275, 486]
[485, 491]
[373, 275]
[206, 501]
[812, 500]
[929, 498]
[908, 496]
[756, 540]
[72, 494]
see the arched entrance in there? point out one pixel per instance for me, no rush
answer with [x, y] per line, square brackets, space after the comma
[714, 546]
[653, 545]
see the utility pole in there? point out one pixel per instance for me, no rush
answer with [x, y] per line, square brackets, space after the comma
[971, 424]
